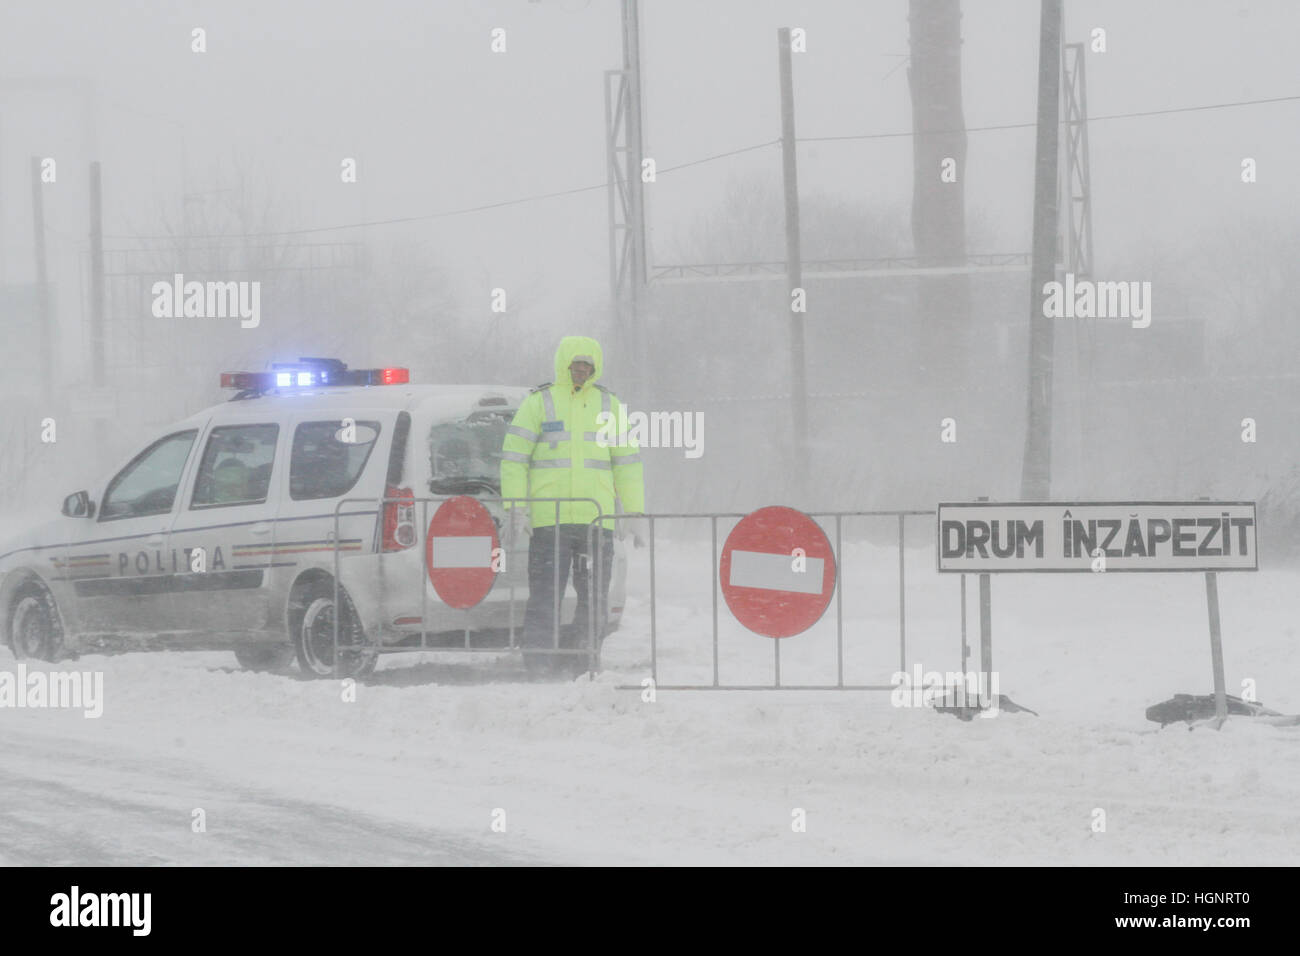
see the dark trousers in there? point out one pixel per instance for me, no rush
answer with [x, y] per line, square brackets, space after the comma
[546, 589]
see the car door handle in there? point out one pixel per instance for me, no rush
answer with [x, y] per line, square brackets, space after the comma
[262, 527]
[154, 539]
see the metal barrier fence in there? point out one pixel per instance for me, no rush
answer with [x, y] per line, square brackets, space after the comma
[598, 604]
[776, 684]
[507, 540]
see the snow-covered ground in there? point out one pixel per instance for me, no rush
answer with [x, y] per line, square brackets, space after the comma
[432, 751]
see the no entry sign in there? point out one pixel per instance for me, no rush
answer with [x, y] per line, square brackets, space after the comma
[458, 551]
[777, 571]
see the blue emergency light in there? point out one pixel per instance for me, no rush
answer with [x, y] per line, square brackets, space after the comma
[309, 373]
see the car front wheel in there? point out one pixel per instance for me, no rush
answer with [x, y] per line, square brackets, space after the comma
[34, 626]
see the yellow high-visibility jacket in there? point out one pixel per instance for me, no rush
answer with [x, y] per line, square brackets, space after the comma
[571, 442]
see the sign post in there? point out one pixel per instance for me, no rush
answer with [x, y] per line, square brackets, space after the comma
[1216, 648]
[986, 626]
[986, 629]
[1207, 536]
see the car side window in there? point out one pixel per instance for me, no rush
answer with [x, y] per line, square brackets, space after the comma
[147, 485]
[328, 457]
[236, 466]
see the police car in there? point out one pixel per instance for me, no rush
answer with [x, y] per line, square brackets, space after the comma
[225, 530]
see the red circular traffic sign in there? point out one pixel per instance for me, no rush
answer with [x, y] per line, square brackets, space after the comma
[777, 571]
[458, 551]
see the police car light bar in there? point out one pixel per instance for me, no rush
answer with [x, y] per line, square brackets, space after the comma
[308, 373]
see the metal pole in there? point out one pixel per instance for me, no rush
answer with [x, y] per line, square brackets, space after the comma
[508, 551]
[902, 603]
[611, 176]
[965, 647]
[713, 520]
[97, 277]
[1036, 475]
[335, 610]
[793, 253]
[593, 593]
[986, 625]
[839, 606]
[654, 631]
[635, 146]
[635, 193]
[2, 211]
[557, 597]
[776, 659]
[46, 332]
[1216, 647]
[424, 577]
[986, 630]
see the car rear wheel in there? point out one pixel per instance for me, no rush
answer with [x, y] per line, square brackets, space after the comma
[34, 626]
[264, 657]
[314, 641]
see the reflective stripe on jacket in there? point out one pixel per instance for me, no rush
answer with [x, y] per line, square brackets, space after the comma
[564, 443]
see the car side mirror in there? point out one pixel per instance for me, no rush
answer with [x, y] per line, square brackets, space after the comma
[79, 505]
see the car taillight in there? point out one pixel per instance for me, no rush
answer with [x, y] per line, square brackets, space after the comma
[399, 519]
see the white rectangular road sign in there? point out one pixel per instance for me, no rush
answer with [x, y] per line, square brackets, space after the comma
[776, 572]
[462, 552]
[979, 537]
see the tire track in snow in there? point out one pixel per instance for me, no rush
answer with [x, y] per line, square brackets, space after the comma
[64, 804]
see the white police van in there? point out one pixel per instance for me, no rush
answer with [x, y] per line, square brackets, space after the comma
[221, 531]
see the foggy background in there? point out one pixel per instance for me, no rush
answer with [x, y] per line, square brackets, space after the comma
[226, 165]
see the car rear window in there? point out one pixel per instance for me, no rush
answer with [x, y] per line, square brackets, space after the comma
[467, 450]
[328, 457]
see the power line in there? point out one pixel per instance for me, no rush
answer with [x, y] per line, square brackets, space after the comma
[699, 162]
[709, 159]
[454, 212]
[1031, 125]
[378, 222]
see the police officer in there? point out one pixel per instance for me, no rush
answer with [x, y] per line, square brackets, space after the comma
[564, 442]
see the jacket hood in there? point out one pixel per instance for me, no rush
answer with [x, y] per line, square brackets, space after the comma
[570, 346]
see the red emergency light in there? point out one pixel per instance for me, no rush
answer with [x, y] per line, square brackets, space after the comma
[312, 373]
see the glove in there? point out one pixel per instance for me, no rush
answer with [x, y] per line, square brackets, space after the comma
[634, 522]
[517, 524]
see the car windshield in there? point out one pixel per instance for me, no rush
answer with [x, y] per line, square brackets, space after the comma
[467, 452]
[147, 486]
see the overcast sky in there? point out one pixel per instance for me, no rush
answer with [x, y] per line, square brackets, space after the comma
[438, 122]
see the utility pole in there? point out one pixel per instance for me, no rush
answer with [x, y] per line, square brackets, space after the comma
[1036, 477]
[636, 280]
[2, 211]
[793, 255]
[624, 152]
[46, 332]
[635, 145]
[96, 277]
[938, 186]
